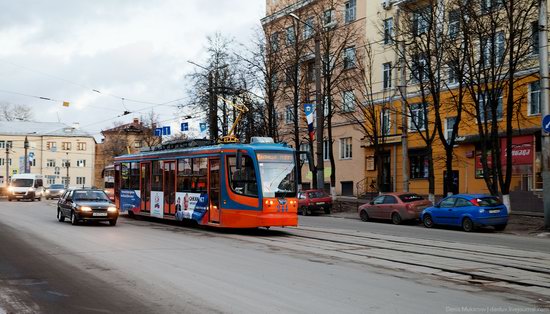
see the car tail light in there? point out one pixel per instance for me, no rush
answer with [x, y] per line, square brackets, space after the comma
[474, 202]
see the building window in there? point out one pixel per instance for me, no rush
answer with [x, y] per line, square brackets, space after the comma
[2, 144]
[304, 147]
[327, 108]
[449, 125]
[81, 146]
[66, 145]
[289, 76]
[326, 150]
[348, 101]
[289, 114]
[493, 49]
[489, 5]
[65, 163]
[137, 144]
[421, 21]
[388, 31]
[2, 162]
[329, 18]
[418, 162]
[66, 181]
[349, 57]
[80, 180]
[51, 145]
[50, 180]
[350, 11]
[417, 120]
[50, 163]
[534, 98]
[420, 69]
[452, 72]
[484, 105]
[535, 37]
[387, 75]
[345, 148]
[308, 28]
[310, 71]
[9, 144]
[290, 36]
[385, 121]
[454, 23]
[81, 163]
[274, 42]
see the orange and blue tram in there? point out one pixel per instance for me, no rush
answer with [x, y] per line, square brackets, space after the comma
[228, 185]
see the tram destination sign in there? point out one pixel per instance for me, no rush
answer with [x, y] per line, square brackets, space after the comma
[275, 157]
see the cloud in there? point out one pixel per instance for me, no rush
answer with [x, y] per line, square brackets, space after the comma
[136, 49]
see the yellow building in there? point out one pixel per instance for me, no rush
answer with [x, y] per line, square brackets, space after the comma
[62, 154]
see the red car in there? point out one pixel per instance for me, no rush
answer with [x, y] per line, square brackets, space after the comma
[396, 207]
[314, 200]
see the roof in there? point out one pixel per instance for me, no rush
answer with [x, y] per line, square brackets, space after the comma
[40, 128]
[132, 127]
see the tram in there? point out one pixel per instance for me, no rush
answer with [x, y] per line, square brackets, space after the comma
[224, 185]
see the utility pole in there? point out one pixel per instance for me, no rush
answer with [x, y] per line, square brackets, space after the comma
[404, 121]
[26, 146]
[7, 163]
[67, 165]
[545, 107]
[320, 113]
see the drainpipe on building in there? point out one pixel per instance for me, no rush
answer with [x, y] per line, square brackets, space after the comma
[545, 107]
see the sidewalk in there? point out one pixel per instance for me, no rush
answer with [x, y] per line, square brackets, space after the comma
[520, 223]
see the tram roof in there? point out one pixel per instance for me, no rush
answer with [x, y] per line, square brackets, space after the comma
[207, 149]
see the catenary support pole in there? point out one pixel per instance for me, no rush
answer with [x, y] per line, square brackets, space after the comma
[545, 107]
[320, 113]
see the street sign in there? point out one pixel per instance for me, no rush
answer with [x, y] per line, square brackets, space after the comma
[546, 123]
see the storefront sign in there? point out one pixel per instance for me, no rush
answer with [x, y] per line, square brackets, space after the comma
[522, 153]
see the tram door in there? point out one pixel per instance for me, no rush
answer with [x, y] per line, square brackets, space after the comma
[169, 187]
[145, 186]
[214, 189]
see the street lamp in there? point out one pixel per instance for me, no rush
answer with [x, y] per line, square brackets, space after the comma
[67, 165]
[319, 108]
[26, 146]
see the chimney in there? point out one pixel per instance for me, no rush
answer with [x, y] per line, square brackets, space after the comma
[136, 121]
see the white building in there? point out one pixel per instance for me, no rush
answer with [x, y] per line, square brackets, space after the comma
[52, 147]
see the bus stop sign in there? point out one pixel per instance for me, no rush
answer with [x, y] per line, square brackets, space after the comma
[546, 123]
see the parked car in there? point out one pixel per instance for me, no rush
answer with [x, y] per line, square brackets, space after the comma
[54, 191]
[397, 207]
[468, 211]
[86, 204]
[311, 201]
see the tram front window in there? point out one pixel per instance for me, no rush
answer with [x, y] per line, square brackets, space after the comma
[277, 174]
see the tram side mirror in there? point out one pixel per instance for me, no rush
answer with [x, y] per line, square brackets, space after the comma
[239, 160]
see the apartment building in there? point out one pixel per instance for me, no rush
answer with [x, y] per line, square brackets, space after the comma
[62, 154]
[292, 28]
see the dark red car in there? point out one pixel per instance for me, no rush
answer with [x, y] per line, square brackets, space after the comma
[396, 207]
[314, 200]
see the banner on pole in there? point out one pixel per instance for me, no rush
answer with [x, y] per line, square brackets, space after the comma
[308, 108]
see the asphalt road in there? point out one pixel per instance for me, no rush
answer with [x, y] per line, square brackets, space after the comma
[143, 266]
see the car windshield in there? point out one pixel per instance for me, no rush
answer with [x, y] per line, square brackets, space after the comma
[407, 198]
[21, 182]
[277, 174]
[90, 196]
[488, 201]
[317, 194]
[57, 186]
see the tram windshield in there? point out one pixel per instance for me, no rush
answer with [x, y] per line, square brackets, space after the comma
[277, 174]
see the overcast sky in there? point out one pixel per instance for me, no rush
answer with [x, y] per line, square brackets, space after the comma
[133, 49]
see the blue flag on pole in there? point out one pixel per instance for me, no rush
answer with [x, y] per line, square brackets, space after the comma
[308, 108]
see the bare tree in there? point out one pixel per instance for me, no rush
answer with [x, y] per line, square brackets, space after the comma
[13, 112]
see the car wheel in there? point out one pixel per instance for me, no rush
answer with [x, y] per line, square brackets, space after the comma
[500, 227]
[304, 211]
[363, 215]
[60, 216]
[39, 198]
[396, 218]
[74, 220]
[10, 199]
[467, 224]
[32, 199]
[112, 222]
[428, 221]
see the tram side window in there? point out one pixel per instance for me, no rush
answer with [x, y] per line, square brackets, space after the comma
[200, 171]
[185, 175]
[134, 176]
[242, 181]
[125, 176]
[156, 169]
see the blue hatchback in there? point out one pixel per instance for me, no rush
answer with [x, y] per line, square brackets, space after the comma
[467, 211]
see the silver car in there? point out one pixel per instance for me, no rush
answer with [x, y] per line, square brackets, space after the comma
[54, 191]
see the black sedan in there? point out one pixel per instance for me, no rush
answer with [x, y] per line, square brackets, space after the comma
[86, 205]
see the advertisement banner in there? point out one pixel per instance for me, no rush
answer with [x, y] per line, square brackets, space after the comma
[522, 153]
[308, 108]
[129, 201]
[191, 205]
[157, 204]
